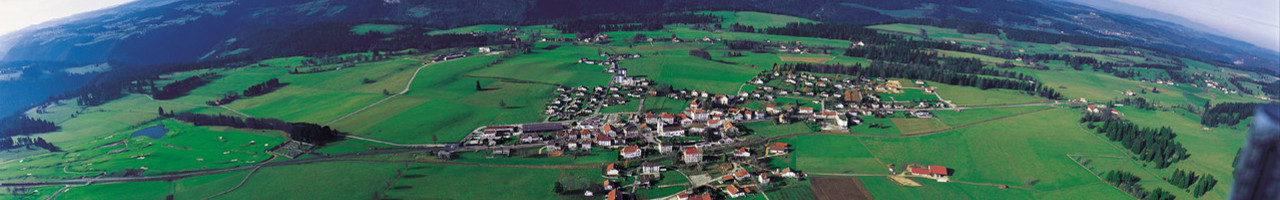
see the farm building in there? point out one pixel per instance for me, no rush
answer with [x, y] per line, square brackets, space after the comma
[778, 148]
[542, 127]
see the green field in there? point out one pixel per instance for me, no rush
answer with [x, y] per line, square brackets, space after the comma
[380, 28]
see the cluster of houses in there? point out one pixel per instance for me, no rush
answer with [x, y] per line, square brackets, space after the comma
[737, 182]
[451, 56]
[569, 103]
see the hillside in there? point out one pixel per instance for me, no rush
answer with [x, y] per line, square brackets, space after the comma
[1003, 117]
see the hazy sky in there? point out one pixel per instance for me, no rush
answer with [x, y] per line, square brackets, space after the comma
[18, 14]
[1253, 21]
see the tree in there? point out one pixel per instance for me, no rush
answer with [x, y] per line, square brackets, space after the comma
[502, 104]
[161, 111]
[385, 92]
[478, 85]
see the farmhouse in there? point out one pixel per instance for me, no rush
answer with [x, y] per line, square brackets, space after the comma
[806, 110]
[734, 192]
[787, 173]
[1093, 109]
[692, 155]
[741, 174]
[611, 170]
[742, 152]
[778, 148]
[672, 131]
[630, 152]
[935, 171]
[651, 168]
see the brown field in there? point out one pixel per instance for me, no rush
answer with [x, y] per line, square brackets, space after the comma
[966, 40]
[818, 60]
[838, 188]
[904, 181]
[918, 125]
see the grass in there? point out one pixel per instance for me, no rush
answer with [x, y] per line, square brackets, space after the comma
[358, 180]
[468, 29]
[918, 125]
[1010, 151]
[380, 28]
[828, 154]
[461, 182]
[953, 118]
[756, 19]
[908, 95]
[970, 96]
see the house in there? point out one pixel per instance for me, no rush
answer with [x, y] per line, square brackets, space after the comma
[787, 173]
[682, 196]
[778, 148]
[630, 152]
[484, 49]
[701, 197]
[651, 168]
[742, 152]
[922, 114]
[938, 171]
[734, 192]
[1116, 112]
[613, 195]
[611, 170]
[741, 174]
[668, 118]
[771, 108]
[692, 155]
[530, 138]
[827, 114]
[763, 178]
[604, 140]
[672, 131]
[1093, 109]
[806, 110]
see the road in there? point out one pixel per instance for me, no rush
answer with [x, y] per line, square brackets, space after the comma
[406, 90]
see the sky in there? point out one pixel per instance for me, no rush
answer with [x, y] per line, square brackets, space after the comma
[18, 14]
[1254, 21]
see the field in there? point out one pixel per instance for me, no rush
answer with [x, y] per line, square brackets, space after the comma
[829, 154]
[839, 188]
[910, 126]
[381, 28]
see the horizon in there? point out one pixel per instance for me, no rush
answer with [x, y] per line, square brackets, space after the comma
[29, 13]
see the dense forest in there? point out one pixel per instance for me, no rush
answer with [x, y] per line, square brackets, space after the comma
[181, 87]
[7, 143]
[305, 132]
[1147, 144]
[1228, 114]
[263, 88]
[19, 124]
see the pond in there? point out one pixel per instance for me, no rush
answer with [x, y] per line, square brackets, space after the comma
[155, 132]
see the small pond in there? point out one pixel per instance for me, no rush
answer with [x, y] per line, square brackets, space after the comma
[155, 132]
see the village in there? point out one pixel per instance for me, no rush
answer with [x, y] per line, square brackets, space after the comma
[704, 142]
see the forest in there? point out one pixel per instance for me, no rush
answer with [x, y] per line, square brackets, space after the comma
[1147, 144]
[22, 125]
[1128, 183]
[7, 143]
[1228, 114]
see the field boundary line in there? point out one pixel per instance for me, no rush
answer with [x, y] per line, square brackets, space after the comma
[242, 181]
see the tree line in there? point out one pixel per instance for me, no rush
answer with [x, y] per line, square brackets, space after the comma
[19, 142]
[300, 131]
[1128, 183]
[1198, 185]
[1148, 144]
[181, 87]
[1229, 114]
[651, 22]
[20, 124]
